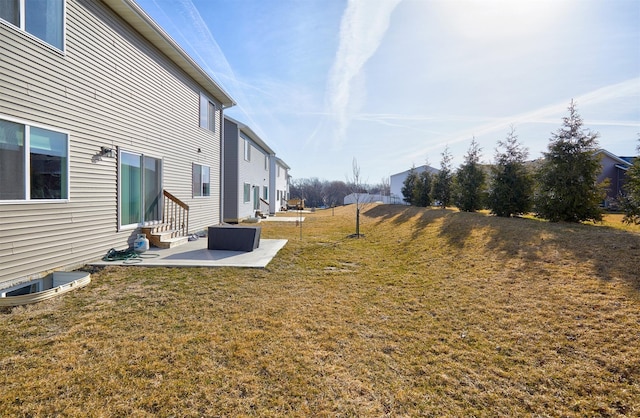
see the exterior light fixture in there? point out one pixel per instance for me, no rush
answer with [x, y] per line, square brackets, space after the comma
[107, 152]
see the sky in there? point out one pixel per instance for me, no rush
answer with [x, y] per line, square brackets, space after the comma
[395, 83]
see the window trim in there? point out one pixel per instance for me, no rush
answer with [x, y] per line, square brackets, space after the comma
[142, 155]
[247, 150]
[27, 164]
[23, 30]
[246, 193]
[193, 194]
[205, 120]
[38, 284]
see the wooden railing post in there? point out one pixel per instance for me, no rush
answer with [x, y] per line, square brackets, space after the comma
[177, 211]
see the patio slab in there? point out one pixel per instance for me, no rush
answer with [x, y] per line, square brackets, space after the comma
[196, 254]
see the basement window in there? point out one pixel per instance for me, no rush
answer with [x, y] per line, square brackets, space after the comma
[22, 289]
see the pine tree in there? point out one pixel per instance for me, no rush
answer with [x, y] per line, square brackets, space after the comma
[408, 186]
[631, 199]
[422, 190]
[469, 181]
[511, 184]
[442, 182]
[567, 189]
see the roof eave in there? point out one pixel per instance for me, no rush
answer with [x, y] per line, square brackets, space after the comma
[249, 132]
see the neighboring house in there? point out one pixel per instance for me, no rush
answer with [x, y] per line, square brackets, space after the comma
[368, 198]
[100, 113]
[396, 182]
[247, 170]
[279, 185]
[615, 169]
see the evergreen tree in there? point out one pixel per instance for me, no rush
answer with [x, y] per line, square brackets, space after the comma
[631, 199]
[442, 182]
[422, 190]
[567, 189]
[469, 181]
[408, 186]
[511, 184]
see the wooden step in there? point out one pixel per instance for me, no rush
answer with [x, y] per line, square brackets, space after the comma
[161, 236]
[172, 242]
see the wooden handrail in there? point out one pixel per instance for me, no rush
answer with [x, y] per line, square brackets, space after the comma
[175, 214]
[175, 199]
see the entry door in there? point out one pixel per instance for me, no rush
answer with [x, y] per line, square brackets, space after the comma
[256, 197]
[140, 189]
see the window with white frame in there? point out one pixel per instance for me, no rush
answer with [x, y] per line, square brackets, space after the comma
[207, 113]
[247, 193]
[247, 150]
[265, 192]
[201, 179]
[140, 188]
[43, 19]
[266, 162]
[34, 162]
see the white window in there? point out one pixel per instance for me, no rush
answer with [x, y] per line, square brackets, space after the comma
[207, 113]
[247, 150]
[266, 163]
[265, 193]
[43, 19]
[201, 180]
[34, 162]
[247, 193]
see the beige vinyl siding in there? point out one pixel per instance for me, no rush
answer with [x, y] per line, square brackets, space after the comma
[109, 88]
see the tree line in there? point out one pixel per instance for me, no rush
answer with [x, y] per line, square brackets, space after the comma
[322, 193]
[562, 186]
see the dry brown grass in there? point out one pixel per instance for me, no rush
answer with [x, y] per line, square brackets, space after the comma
[433, 313]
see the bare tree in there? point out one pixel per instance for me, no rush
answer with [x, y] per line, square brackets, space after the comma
[361, 197]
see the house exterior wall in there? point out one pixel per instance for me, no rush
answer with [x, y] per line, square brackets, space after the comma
[254, 173]
[279, 185]
[109, 87]
[232, 194]
[615, 175]
[239, 171]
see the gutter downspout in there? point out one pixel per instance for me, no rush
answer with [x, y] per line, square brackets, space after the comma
[221, 217]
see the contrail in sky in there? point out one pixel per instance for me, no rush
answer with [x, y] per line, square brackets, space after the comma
[362, 29]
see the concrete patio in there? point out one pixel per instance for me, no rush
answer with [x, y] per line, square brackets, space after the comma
[196, 254]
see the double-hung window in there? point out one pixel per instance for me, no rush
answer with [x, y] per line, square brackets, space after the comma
[43, 19]
[34, 162]
[207, 113]
[201, 179]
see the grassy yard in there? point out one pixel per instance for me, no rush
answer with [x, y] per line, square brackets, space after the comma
[432, 313]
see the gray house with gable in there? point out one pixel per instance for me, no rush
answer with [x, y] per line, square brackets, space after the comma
[247, 173]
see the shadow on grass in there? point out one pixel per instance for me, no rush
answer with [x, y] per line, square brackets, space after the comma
[611, 253]
[401, 214]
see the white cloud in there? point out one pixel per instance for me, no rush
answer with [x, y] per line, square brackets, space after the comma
[362, 29]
